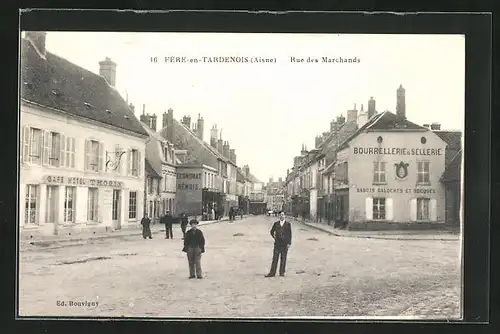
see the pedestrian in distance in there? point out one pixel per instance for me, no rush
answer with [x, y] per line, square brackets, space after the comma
[167, 220]
[241, 214]
[146, 227]
[184, 224]
[194, 246]
[282, 235]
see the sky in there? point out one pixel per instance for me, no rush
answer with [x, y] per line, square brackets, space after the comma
[268, 110]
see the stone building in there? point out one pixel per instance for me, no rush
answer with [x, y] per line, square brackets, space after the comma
[81, 147]
[161, 164]
[206, 158]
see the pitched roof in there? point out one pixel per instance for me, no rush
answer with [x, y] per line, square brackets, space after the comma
[239, 176]
[385, 121]
[452, 170]
[150, 170]
[201, 142]
[252, 178]
[345, 131]
[452, 138]
[56, 83]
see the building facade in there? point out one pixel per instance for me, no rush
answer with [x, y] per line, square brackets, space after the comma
[81, 147]
[403, 187]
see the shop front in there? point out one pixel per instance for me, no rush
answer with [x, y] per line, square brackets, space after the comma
[58, 205]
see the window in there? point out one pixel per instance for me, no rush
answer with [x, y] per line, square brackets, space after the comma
[92, 207]
[206, 183]
[135, 163]
[157, 183]
[423, 209]
[379, 208]
[30, 213]
[54, 144]
[132, 205]
[69, 205]
[379, 172]
[150, 185]
[92, 155]
[423, 172]
[35, 145]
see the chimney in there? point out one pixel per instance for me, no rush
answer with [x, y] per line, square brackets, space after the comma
[371, 107]
[225, 149]
[352, 115]
[400, 103]
[428, 126]
[153, 122]
[318, 140]
[435, 126]
[232, 155]
[143, 109]
[186, 120]
[246, 170]
[132, 107]
[214, 133]
[107, 69]
[220, 145]
[168, 124]
[199, 127]
[37, 39]
[303, 151]
[280, 180]
[340, 120]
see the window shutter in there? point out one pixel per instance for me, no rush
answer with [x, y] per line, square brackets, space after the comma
[389, 209]
[73, 152]
[139, 163]
[129, 162]
[45, 147]
[433, 210]
[369, 208]
[25, 144]
[87, 154]
[101, 156]
[62, 151]
[413, 209]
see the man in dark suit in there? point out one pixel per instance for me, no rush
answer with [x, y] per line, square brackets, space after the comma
[282, 234]
[168, 220]
[194, 246]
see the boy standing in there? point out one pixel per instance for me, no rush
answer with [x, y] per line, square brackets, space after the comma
[194, 246]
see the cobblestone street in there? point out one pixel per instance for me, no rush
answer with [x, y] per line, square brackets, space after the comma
[326, 276]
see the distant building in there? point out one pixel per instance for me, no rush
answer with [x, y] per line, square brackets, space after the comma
[161, 177]
[82, 148]
[218, 162]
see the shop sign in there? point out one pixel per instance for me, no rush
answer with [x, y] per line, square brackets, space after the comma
[381, 190]
[81, 181]
[397, 151]
[189, 176]
[188, 186]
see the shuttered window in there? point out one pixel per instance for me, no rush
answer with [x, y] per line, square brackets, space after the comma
[35, 146]
[54, 148]
[93, 205]
[379, 172]
[69, 205]
[379, 208]
[423, 170]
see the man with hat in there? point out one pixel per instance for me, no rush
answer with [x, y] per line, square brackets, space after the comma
[194, 246]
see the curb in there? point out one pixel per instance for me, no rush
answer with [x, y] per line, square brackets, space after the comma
[375, 236]
[60, 243]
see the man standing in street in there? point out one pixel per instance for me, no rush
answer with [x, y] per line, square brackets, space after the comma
[282, 234]
[167, 220]
[194, 246]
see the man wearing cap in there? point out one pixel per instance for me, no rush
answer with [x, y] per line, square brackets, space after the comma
[282, 234]
[194, 246]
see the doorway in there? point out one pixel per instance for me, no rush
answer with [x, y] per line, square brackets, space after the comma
[115, 214]
[52, 204]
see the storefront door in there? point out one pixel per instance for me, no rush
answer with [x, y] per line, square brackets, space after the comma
[51, 204]
[342, 211]
[116, 209]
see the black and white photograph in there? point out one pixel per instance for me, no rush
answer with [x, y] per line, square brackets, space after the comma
[173, 175]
